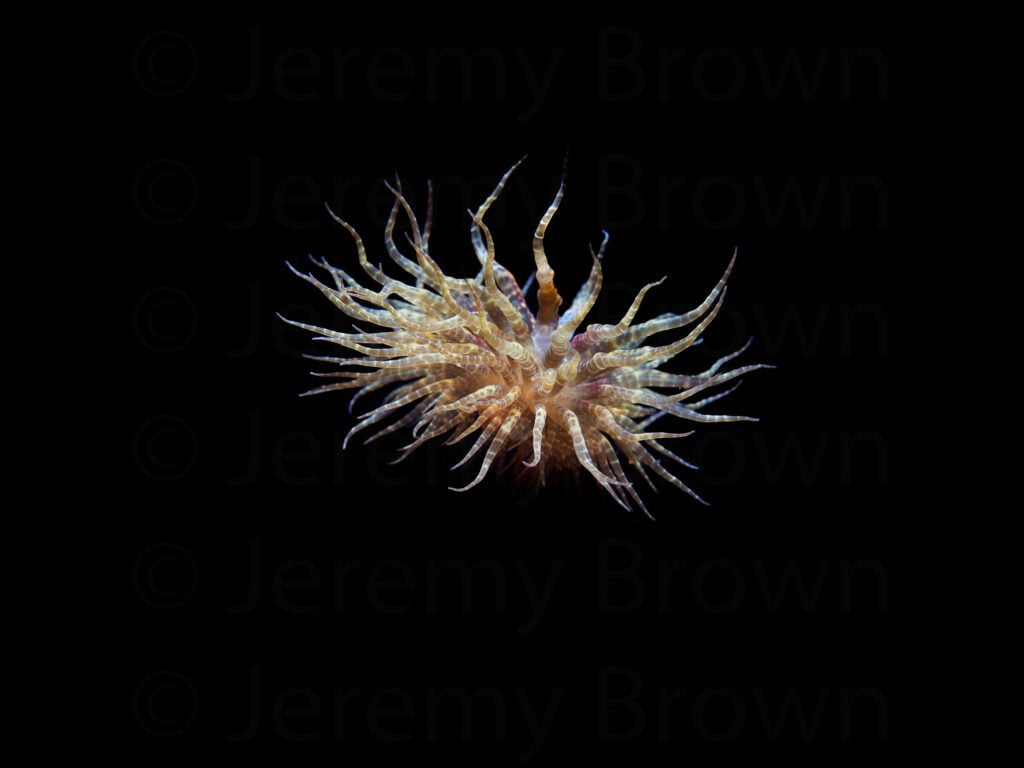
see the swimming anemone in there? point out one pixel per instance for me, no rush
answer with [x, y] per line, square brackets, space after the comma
[467, 357]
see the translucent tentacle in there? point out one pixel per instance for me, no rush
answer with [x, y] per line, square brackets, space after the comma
[492, 451]
[547, 295]
[540, 416]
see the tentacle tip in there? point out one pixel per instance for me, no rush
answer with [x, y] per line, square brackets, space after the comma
[303, 275]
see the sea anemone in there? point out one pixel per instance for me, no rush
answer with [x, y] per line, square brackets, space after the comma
[468, 357]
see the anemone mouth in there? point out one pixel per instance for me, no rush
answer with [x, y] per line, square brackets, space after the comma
[466, 360]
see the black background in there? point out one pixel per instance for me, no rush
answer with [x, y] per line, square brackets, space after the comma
[711, 152]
